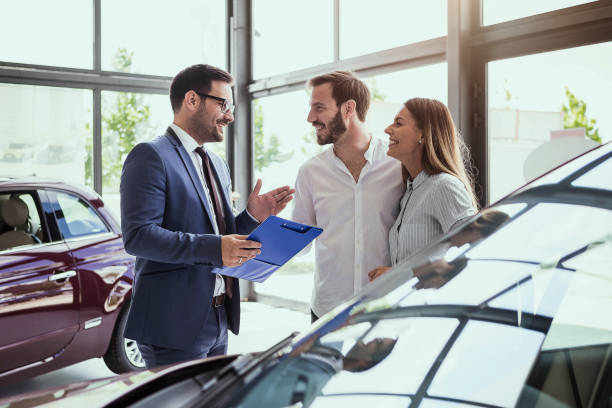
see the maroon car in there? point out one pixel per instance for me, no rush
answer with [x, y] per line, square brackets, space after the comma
[65, 280]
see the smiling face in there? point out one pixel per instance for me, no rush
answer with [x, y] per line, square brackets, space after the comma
[404, 137]
[325, 115]
[208, 123]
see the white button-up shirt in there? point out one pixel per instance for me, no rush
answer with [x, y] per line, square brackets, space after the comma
[191, 145]
[355, 217]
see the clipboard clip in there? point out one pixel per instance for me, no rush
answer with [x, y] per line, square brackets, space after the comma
[296, 227]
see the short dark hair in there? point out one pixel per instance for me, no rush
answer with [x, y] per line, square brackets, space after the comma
[345, 85]
[197, 77]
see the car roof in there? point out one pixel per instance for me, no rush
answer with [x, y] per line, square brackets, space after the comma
[32, 182]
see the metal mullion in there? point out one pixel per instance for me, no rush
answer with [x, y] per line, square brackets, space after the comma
[596, 33]
[97, 45]
[364, 73]
[240, 143]
[97, 140]
[83, 79]
[555, 21]
[412, 53]
[336, 23]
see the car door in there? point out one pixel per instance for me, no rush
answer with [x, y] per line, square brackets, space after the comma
[39, 287]
[99, 257]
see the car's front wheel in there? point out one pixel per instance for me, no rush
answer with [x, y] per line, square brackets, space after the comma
[123, 354]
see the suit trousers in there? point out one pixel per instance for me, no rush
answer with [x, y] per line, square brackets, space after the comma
[212, 341]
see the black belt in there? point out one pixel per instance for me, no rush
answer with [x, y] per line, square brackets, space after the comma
[218, 300]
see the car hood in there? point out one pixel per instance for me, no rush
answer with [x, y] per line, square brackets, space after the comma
[100, 392]
[92, 393]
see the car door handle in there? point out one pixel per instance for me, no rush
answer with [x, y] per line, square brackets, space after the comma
[62, 275]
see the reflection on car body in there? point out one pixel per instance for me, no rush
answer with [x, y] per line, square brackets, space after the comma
[510, 308]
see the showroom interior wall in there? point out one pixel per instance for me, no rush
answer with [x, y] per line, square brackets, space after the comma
[447, 49]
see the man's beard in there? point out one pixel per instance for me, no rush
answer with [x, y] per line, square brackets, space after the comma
[202, 130]
[335, 128]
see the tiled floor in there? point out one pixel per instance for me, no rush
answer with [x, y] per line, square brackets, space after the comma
[261, 327]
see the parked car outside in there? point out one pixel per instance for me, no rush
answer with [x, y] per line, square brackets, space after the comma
[17, 152]
[65, 280]
[510, 308]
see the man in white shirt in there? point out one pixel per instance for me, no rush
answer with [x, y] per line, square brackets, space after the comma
[351, 190]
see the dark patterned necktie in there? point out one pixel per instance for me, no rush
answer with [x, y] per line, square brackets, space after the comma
[213, 190]
[220, 215]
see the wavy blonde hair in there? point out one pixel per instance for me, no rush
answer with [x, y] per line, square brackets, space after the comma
[443, 150]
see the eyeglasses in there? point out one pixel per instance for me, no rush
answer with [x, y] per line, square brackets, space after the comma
[226, 106]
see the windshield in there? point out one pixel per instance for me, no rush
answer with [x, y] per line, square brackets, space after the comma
[509, 309]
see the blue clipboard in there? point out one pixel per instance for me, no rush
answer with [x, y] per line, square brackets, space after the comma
[280, 241]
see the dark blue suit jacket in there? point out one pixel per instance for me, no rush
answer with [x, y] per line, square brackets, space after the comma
[167, 225]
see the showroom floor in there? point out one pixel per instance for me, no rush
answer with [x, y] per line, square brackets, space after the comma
[261, 327]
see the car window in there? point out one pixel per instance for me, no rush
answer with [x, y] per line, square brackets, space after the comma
[484, 347]
[574, 364]
[20, 220]
[76, 218]
[528, 238]
[598, 177]
[352, 360]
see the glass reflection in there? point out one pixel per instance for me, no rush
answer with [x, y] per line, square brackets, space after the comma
[353, 359]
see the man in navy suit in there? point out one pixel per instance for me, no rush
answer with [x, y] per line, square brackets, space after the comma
[177, 219]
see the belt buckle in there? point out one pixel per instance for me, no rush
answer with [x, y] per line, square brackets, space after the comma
[218, 300]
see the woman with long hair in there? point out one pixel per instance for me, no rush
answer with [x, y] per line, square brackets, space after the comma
[440, 190]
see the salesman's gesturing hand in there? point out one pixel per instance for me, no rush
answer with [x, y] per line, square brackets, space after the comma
[236, 249]
[270, 203]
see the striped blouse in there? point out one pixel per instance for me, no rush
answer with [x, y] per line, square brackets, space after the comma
[431, 205]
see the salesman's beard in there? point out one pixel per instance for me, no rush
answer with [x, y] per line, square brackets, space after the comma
[203, 130]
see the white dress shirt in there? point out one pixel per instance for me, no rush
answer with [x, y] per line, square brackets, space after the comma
[355, 217]
[191, 145]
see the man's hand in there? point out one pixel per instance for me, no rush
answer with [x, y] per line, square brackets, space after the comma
[376, 272]
[236, 249]
[270, 203]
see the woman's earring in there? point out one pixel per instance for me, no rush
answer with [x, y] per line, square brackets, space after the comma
[420, 141]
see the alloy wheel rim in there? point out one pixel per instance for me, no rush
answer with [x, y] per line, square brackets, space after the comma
[132, 353]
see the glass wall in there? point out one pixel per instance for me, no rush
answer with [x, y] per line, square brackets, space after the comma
[282, 141]
[498, 11]
[165, 38]
[291, 35]
[127, 119]
[46, 131]
[544, 109]
[367, 26]
[52, 130]
[58, 33]
[390, 91]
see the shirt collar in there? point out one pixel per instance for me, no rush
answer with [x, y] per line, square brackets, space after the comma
[187, 141]
[419, 179]
[373, 148]
[369, 154]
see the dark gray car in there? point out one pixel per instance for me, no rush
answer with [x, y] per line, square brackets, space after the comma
[511, 308]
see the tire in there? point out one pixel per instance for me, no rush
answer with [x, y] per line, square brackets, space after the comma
[123, 354]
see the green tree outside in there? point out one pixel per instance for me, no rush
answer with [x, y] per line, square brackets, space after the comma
[268, 151]
[124, 120]
[574, 116]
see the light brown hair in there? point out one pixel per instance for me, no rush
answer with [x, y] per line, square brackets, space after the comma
[443, 150]
[345, 85]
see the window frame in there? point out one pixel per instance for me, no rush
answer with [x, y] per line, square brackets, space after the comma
[42, 214]
[51, 194]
